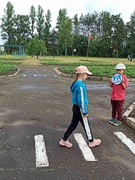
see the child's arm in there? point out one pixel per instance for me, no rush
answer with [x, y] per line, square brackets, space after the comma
[81, 101]
[123, 85]
[111, 84]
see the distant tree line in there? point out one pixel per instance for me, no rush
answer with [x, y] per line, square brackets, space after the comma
[93, 34]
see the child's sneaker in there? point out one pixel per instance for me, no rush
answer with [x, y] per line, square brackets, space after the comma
[96, 142]
[117, 123]
[111, 121]
[65, 143]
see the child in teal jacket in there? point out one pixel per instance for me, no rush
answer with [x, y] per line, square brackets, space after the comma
[80, 111]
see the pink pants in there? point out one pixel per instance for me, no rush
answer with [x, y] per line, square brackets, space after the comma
[117, 109]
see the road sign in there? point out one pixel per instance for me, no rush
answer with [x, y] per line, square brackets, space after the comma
[117, 79]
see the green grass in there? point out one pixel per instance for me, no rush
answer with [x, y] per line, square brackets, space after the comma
[8, 64]
[6, 68]
[98, 66]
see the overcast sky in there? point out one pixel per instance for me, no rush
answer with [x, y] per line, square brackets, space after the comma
[125, 8]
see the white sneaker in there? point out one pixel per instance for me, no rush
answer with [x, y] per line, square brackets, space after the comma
[65, 143]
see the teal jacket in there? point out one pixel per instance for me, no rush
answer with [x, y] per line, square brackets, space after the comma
[79, 95]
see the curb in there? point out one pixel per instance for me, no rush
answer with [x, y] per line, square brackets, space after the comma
[129, 121]
[95, 78]
[11, 75]
[72, 75]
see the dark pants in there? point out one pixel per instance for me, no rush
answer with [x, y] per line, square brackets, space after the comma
[77, 116]
[117, 109]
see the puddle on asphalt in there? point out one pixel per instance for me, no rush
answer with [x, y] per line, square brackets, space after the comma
[31, 87]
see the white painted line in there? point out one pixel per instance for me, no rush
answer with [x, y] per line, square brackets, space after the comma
[36, 71]
[128, 142]
[35, 75]
[40, 151]
[86, 151]
[24, 75]
[45, 75]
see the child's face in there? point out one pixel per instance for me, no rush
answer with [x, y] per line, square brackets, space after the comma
[84, 76]
[120, 71]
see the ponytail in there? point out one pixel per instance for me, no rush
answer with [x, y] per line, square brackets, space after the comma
[76, 77]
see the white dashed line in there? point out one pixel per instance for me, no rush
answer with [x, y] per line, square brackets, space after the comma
[86, 151]
[130, 144]
[40, 151]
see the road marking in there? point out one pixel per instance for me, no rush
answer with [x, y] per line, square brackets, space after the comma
[36, 71]
[35, 75]
[40, 151]
[130, 144]
[86, 151]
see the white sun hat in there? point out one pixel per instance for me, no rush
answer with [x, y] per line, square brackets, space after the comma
[82, 69]
[120, 66]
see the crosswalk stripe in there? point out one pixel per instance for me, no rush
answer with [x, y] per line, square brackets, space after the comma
[129, 143]
[86, 151]
[40, 151]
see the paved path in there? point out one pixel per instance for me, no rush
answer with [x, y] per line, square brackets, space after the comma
[35, 109]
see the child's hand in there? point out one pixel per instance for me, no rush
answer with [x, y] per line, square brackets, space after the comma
[111, 83]
[86, 115]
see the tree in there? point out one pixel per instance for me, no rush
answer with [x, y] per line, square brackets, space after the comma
[65, 34]
[40, 22]
[8, 24]
[130, 30]
[76, 24]
[118, 33]
[87, 27]
[36, 47]
[104, 44]
[32, 18]
[22, 29]
[64, 26]
[46, 31]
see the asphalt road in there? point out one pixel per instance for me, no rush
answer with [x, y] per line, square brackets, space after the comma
[38, 102]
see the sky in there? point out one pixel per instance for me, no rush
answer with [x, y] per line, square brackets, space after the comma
[125, 8]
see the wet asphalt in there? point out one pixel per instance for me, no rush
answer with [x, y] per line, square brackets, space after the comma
[38, 101]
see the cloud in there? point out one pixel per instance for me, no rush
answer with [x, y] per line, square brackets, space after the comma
[115, 7]
[125, 8]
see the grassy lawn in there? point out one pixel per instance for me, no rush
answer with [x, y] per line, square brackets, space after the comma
[8, 64]
[98, 66]
[71, 59]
